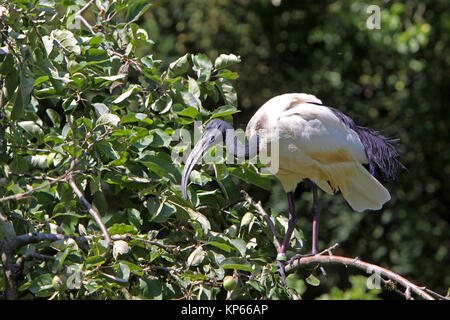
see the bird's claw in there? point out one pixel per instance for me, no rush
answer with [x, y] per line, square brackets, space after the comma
[282, 262]
[298, 256]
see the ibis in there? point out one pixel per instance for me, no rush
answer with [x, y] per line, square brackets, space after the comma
[314, 142]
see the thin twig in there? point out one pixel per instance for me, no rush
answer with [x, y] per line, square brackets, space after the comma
[91, 210]
[27, 148]
[127, 236]
[84, 8]
[23, 195]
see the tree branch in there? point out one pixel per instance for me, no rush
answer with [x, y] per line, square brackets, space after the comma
[13, 268]
[91, 210]
[365, 266]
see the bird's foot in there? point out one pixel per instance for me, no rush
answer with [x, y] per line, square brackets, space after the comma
[298, 256]
[282, 261]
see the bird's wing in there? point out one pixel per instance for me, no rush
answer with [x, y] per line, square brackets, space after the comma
[320, 134]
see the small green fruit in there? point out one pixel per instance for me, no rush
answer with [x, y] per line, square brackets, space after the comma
[229, 283]
[59, 283]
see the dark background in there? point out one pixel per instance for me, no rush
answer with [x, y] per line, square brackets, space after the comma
[394, 79]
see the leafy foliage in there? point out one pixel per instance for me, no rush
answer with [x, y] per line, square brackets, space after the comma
[111, 93]
[73, 101]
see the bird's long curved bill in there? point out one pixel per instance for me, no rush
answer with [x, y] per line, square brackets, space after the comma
[199, 150]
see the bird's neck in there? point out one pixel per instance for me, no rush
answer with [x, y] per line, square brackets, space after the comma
[239, 150]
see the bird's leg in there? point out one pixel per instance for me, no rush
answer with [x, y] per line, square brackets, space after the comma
[292, 222]
[316, 217]
[315, 228]
[315, 225]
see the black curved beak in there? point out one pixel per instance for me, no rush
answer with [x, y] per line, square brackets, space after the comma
[207, 140]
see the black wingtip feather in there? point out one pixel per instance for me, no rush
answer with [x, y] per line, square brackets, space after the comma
[380, 151]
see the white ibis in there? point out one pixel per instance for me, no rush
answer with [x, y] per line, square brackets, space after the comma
[314, 142]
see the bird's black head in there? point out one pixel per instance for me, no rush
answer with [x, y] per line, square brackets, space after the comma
[214, 132]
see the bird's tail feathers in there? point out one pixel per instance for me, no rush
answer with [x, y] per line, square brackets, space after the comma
[361, 190]
[381, 153]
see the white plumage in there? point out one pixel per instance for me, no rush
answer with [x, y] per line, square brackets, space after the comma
[296, 138]
[314, 143]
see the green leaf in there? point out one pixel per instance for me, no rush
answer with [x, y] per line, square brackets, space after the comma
[227, 90]
[160, 211]
[189, 112]
[11, 83]
[101, 108]
[246, 219]
[121, 228]
[312, 280]
[37, 161]
[160, 138]
[240, 245]
[199, 218]
[132, 89]
[95, 56]
[120, 247]
[54, 117]
[162, 105]
[66, 39]
[108, 119]
[203, 66]
[250, 176]
[48, 44]
[122, 271]
[8, 65]
[196, 257]
[93, 261]
[193, 87]
[150, 288]
[229, 189]
[181, 65]
[135, 117]
[221, 171]
[221, 245]
[190, 100]
[227, 74]
[41, 282]
[32, 128]
[23, 96]
[224, 111]
[236, 263]
[225, 60]
[136, 10]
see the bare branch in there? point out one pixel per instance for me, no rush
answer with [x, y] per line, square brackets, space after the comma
[355, 262]
[127, 236]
